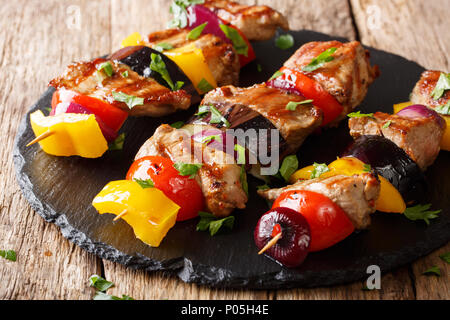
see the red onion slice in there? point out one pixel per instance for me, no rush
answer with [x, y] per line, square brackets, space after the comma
[418, 111]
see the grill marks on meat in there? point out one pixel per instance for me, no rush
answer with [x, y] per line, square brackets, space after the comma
[294, 125]
[421, 93]
[419, 138]
[347, 77]
[356, 195]
[158, 100]
[219, 177]
[220, 56]
[256, 22]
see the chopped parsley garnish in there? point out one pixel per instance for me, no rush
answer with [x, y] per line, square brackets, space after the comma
[187, 169]
[434, 270]
[263, 187]
[125, 74]
[445, 257]
[445, 109]
[130, 101]
[202, 111]
[8, 254]
[159, 66]
[358, 114]
[421, 212]
[319, 169]
[367, 168]
[284, 42]
[387, 124]
[118, 143]
[107, 68]
[276, 75]
[100, 283]
[442, 85]
[217, 117]
[293, 105]
[289, 166]
[320, 60]
[196, 32]
[241, 153]
[163, 46]
[243, 180]
[178, 9]
[209, 222]
[208, 139]
[239, 43]
[177, 125]
[145, 183]
[204, 86]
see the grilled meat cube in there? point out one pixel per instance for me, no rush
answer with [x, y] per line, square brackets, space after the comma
[422, 92]
[220, 56]
[256, 22]
[158, 100]
[219, 177]
[270, 103]
[346, 78]
[419, 138]
[356, 195]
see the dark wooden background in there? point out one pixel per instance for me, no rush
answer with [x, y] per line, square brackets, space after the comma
[38, 38]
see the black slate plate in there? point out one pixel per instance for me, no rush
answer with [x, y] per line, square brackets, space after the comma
[61, 191]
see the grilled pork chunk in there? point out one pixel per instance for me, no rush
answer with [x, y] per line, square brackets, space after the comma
[419, 138]
[256, 22]
[158, 100]
[422, 92]
[294, 125]
[219, 55]
[347, 77]
[219, 177]
[356, 195]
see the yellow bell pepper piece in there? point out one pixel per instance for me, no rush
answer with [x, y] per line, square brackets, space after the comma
[191, 61]
[71, 134]
[445, 142]
[134, 39]
[148, 211]
[390, 200]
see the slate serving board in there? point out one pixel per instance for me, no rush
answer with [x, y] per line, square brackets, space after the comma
[61, 190]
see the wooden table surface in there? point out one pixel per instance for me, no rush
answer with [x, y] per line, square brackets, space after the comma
[38, 38]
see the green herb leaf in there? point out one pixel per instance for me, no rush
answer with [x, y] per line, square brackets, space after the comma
[367, 168]
[276, 75]
[159, 66]
[359, 115]
[204, 86]
[320, 60]
[288, 167]
[202, 111]
[285, 41]
[208, 139]
[145, 183]
[263, 187]
[293, 105]
[100, 283]
[387, 124]
[319, 169]
[434, 270]
[239, 43]
[445, 109]
[107, 68]
[241, 153]
[187, 169]
[177, 125]
[8, 254]
[163, 46]
[125, 74]
[421, 212]
[209, 221]
[118, 143]
[48, 109]
[442, 85]
[130, 101]
[259, 67]
[196, 32]
[217, 117]
[103, 296]
[243, 180]
[445, 257]
[178, 9]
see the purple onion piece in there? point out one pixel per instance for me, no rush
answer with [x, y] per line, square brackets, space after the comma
[418, 111]
[198, 15]
[285, 85]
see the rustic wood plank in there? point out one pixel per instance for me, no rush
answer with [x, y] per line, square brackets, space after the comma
[415, 30]
[35, 43]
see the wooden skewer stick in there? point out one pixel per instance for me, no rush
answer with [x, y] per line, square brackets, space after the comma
[40, 137]
[120, 215]
[270, 243]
